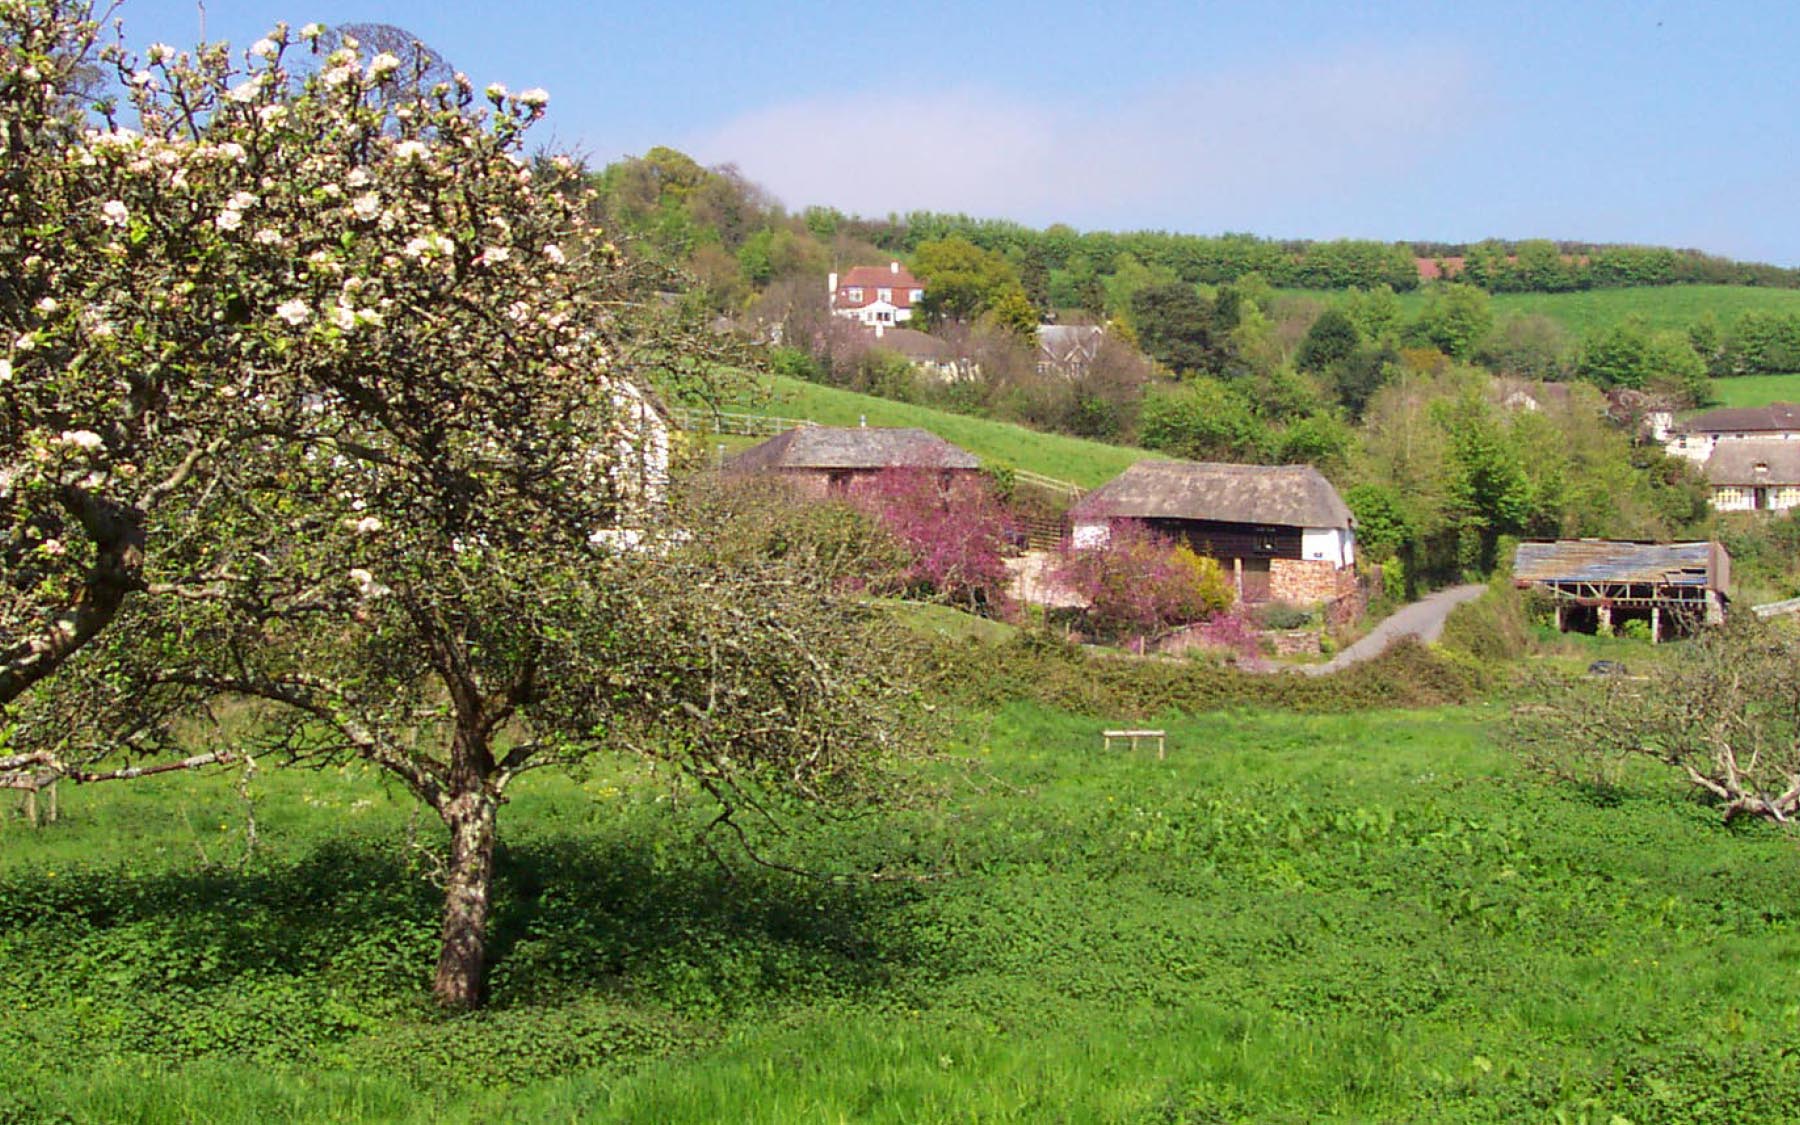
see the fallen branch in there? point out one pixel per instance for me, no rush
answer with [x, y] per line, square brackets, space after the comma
[42, 762]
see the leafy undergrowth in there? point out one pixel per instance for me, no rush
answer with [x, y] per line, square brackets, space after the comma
[1367, 916]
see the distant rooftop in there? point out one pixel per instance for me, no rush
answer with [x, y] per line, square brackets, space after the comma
[1746, 461]
[1619, 560]
[1775, 417]
[861, 447]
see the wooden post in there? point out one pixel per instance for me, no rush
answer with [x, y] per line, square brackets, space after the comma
[1603, 619]
[31, 807]
[51, 817]
[1561, 627]
[1655, 625]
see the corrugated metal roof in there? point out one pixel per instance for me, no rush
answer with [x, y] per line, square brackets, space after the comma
[1754, 461]
[861, 447]
[1282, 495]
[1613, 560]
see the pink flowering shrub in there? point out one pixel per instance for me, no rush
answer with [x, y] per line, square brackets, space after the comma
[954, 531]
[1141, 583]
[1233, 632]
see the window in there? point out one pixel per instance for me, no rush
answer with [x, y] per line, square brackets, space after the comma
[884, 295]
[915, 295]
[854, 293]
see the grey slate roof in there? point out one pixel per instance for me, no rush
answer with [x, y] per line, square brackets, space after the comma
[1616, 560]
[862, 447]
[1750, 461]
[1743, 420]
[1280, 495]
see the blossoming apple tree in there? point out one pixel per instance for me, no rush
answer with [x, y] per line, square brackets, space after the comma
[316, 394]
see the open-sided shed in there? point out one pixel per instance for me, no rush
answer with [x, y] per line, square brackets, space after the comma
[1599, 584]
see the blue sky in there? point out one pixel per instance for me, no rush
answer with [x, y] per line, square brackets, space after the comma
[1661, 122]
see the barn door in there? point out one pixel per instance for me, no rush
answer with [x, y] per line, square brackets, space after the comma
[1256, 580]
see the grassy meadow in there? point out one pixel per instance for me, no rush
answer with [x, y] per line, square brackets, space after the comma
[1365, 917]
[1087, 463]
[1756, 390]
[1660, 306]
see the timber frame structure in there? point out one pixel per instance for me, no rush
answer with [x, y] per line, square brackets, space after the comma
[1600, 584]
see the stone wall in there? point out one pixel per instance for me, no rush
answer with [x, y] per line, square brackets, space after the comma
[1307, 582]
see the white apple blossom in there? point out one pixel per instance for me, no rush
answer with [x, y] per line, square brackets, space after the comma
[410, 150]
[383, 65]
[554, 252]
[25, 343]
[272, 114]
[493, 256]
[295, 312]
[161, 53]
[5, 371]
[233, 152]
[358, 177]
[342, 317]
[534, 98]
[312, 31]
[229, 219]
[496, 91]
[81, 439]
[267, 236]
[245, 92]
[368, 525]
[264, 49]
[338, 75]
[366, 206]
[142, 79]
[53, 547]
[47, 305]
[241, 201]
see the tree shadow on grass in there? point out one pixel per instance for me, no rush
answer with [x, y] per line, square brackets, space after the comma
[356, 920]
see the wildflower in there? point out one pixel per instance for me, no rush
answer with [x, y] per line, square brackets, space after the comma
[115, 213]
[295, 312]
[534, 98]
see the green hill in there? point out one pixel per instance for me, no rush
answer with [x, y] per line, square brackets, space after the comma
[1087, 463]
[1663, 306]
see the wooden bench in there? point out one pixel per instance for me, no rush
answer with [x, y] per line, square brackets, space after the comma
[1133, 735]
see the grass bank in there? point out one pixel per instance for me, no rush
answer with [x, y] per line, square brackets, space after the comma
[1371, 916]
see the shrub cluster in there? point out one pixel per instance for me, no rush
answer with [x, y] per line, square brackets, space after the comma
[1140, 583]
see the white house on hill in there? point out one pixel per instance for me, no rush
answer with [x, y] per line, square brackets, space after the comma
[874, 295]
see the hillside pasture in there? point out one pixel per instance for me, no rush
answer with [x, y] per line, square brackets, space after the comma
[1756, 390]
[1371, 916]
[1087, 463]
[1660, 306]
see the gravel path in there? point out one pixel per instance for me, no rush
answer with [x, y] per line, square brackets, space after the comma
[1423, 619]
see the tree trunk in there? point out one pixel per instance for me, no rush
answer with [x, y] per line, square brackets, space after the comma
[472, 819]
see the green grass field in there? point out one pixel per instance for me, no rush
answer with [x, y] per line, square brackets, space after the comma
[1372, 917]
[1087, 463]
[1756, 390]
[1664, 306]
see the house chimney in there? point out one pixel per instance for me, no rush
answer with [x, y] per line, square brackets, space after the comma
[831, 288]
[893, 267]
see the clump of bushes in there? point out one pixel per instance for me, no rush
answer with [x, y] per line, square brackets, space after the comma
[1139, 583]
[1492, 629]
[954, 533]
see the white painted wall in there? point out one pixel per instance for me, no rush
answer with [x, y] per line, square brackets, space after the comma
[1335, 545]
[1730, 498]
[1085, 535]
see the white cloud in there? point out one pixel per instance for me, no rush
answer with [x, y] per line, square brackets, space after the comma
[1218, 150]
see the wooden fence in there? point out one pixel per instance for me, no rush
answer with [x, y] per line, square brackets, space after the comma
[728, 422]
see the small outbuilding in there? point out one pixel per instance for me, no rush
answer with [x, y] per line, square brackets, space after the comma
[821, 460]
[1281, 531]
[1600, 584]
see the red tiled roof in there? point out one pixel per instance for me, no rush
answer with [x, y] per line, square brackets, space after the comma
[871, 278]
